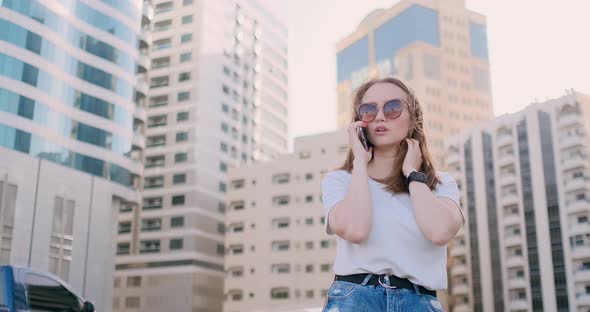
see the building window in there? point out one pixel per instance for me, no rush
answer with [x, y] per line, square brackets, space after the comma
[186, 57]
[187, 2]
[163, 7]
[161, 62]
[124, 227]
[309, 198]
[222, 187]
[225, 89]
[149, 246]
[279, 293]
[183, 96]
[155, 161]
[132, 302]
[134, 281]
[152, 203]
[280, 268]
[177, 222]
[186, 38]
[157, 82]
[162, 25]
[181, 136]
[280, 245]
[325, 267]
[153, 182]
[187, 19]
[309, 221]
[176, 244]
[156, 121]
[238, 184]
[179, 178]
[180, 157]
[161, 100]
[281, 200]
[184, 76]
[150, 225]
[61, 241]
[309, 268]
[281, 178]
[181, 116]
[222, 167]
[325, 244]
[161, 44]
[177, 200]
[123, 248]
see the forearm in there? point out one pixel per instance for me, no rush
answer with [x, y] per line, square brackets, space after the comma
[436, 222]
[356, 215]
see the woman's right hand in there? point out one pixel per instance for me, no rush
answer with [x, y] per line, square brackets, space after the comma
[358, 150]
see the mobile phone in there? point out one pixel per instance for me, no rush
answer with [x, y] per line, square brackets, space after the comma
[363, 137]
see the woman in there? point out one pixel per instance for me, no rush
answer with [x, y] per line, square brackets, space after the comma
[392, 213]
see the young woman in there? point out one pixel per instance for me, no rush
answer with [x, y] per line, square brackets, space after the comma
[393, 214]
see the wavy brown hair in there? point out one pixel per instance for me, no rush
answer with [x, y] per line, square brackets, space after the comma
[396, 182]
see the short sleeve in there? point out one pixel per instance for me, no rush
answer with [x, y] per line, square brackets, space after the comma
[334, 188]
[448, 188]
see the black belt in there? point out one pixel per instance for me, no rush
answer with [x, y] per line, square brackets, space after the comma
[394, 282]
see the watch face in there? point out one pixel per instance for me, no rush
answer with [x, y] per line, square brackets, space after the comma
[418, 176]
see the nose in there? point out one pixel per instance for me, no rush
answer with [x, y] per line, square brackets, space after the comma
[380, 115]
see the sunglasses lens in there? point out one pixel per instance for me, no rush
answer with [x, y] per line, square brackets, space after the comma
[392, 109]
[367, 112]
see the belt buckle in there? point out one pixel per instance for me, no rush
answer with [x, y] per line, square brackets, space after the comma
[385, 285]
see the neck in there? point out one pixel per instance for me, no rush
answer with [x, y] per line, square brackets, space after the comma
[384, 158]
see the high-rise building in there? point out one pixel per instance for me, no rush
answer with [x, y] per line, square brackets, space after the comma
[71, 134]
[217, 99]
[525, 187]
[279, 257]
[439, 48]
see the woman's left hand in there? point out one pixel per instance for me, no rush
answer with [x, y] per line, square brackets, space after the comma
[413, 159]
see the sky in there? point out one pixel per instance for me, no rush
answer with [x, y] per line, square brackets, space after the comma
[537, 50]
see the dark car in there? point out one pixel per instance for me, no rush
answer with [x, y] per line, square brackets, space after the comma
[24, 290]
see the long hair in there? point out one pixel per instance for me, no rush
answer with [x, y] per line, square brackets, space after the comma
[396, 182]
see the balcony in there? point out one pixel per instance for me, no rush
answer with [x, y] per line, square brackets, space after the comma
[570, 141]
[514, 240]
[506, 159]
[518, 304]
[575, 206]
[516, 283]
[573, 162]
[141, 85]
[138, 140]
[569, 120]
[504, 140]
[143, 62]
[460, 289]
[515, 261]
[145, 39]
[507, 179]
[511, 219]
[509, 199]
[459, 269]
[140, 113]
[579, 252]
[458, 250]
[583, 299]
[148, 10]
[462, 307]
[576, 184]
[582, 276]
[579, 228]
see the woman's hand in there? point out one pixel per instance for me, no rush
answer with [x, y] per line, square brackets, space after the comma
[413, 159]
[361, 156]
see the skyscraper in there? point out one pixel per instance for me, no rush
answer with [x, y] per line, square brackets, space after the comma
[217, 99]
[439, 48]
[71, 131]
[524, 181]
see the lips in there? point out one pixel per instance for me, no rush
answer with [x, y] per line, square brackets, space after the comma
[380, 129]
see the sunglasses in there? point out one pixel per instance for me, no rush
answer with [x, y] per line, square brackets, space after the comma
[391, 110]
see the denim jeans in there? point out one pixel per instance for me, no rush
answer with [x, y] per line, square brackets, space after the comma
[351, 297]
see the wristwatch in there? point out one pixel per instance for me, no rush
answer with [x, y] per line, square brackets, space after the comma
[415, 176]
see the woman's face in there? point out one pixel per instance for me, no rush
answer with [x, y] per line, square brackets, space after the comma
[396, 129]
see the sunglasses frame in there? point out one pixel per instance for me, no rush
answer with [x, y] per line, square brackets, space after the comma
[382, 108]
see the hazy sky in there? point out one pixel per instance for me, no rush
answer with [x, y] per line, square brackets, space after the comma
[537, 49]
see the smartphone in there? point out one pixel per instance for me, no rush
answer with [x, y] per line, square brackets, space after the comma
[364, 138]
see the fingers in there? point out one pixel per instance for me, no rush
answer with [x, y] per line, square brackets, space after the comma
[354, 126]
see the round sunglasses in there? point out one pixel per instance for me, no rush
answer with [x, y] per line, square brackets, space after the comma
[391, 110]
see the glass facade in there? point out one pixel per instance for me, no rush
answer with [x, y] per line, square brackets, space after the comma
[36, 146]
[19, 106]
[552, 196]
[18, 70]
[478, 39]
[492, 210]
[529, 216]
[353, 62]
[417, 23]
[13, 103]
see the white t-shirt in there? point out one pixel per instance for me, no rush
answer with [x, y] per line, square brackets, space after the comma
[395, 245]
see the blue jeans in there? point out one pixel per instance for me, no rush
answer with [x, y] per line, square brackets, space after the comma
[351, 297]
